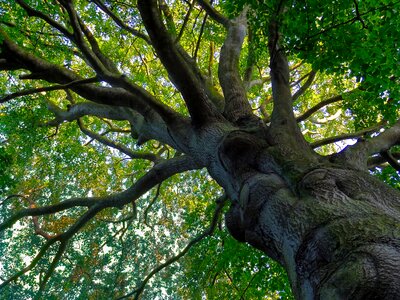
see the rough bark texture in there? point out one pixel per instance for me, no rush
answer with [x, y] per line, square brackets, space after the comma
[335, 230]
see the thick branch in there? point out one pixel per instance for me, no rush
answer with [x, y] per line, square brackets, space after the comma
[133, 96]
[155, 176]
[284, 129]
[51, 209]
[34, 262]
[107, 63]
[185, 79]
[384, 141]
[142, 129]
[63, 238]
[358, 153]
[236, 103]
[95, 61]
[52, 267]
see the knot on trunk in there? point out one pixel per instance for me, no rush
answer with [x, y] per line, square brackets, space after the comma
[239, 150]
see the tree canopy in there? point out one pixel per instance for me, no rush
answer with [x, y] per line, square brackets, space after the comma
[100, 197]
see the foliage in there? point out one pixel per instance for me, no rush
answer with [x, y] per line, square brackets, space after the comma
[351, 45]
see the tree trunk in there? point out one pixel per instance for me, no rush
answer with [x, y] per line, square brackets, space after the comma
[335, 230]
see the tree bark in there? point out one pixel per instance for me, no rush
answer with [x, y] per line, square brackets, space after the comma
[336, 230]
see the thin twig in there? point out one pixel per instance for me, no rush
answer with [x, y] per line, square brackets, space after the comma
[209, 231]
[49, 88]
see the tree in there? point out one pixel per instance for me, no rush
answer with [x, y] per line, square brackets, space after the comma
[109, 104]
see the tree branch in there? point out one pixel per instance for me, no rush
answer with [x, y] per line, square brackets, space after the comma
[48, 88]
[379, 160]
[134, 155]
[209, 231]
[358, 153]
[34, 262]
[305, 86]
[155, 176]
[94, 60]
[121, 23]
[131, 95]
[36, 13]
[107, 63]
[142, 128]
[181, 73]
[346, 136]
[236, 104]
[391, 160]
[51, 209]
[185, 21]
[63, 238]
[213, 13]
[146, 211]
[284, 129]
[317, 107]
[50, 271]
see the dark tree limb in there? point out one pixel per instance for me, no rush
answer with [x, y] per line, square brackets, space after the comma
[94, 60]
[3, 202]
[155, 176]
[103, 140]
[198, 43]
[107, 63]
[182, 74]
[62, 238]
[61, 249]
[305, 86]
[38, 229]
[318, 106]
[185, 20]
[34, 262]
[121, 23]
[379, 160]
[131, 95]
[51, 209]
[36, 13]
[213, 13]
[146, 211]
[347, 136]
[390, 158]
[48, 89]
